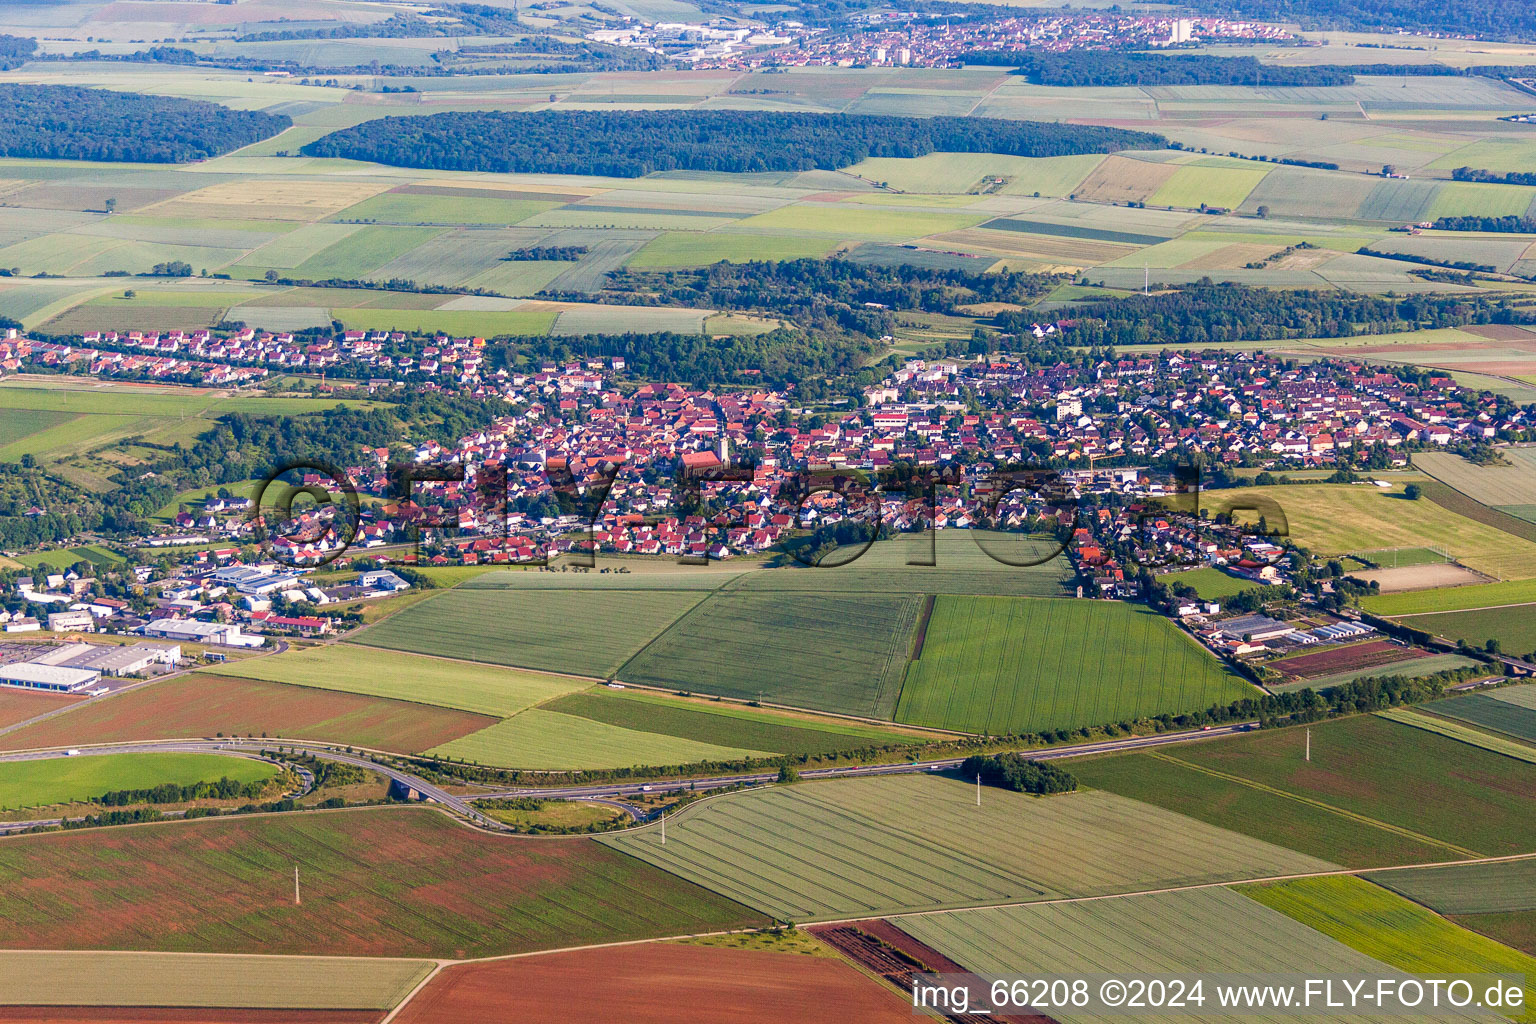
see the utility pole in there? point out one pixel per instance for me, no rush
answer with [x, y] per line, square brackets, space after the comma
[1146, 281]
[296, 885]
[978, 789]
[663, 826]
[1309, 743]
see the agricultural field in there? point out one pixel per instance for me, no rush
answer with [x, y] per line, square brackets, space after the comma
[716, 722]
[482, 689]
[33, 978]
[942, 173]
[587, 633]
[1513, 628]
[1458, 731]
[1218, 931]
[1340, 518]
[1338, 658]
[1507, 710]
[1412, 667]
[1197, 186]
[1489, 595]
[694, 249]
[843, 653]
[1497, 486]
[61, 780]
[893, 224]
[705, 985]
[17, 705]
[1397, 932]
[1389, 774]
[378, 882]
[851, 847]
[553, 741]
[1499, 887]
[207, 705]
[1012, 665]
[62, 559]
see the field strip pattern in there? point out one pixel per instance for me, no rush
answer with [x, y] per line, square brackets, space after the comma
[1496, 711]
[1501, 887]
[1320, 804]
[1212, 929]
[891, 844]
[1457, 731]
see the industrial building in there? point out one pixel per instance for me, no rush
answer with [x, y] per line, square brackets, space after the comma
[197, 631]
[55, 678]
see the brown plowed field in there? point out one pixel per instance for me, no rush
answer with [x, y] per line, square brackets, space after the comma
[199, 705]
[657, 983]
[1345, 659]
[178, 1015]
[20, 705]
[1501, 332]
[1119, 179]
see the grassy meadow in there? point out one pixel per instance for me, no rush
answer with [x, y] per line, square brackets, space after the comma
[58, 780]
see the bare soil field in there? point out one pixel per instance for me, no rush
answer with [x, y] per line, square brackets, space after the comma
[657, 983]
[1119, 179]
[20, 705]
[1344, 659]
[178, 1015]
[203, 705]
[1500, 332]
[1421, 577]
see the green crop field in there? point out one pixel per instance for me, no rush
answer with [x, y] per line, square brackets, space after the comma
[696, 249]
[1475, 199]
[1193, 185]
[403, 208]
[842, 653]
[383, 882]
[1467, 888]
[960, 172]
[1510, 711]
[881, 844]
[301, 244]
[59, 780]
[62, 559]
[34, 978]
[1483, 595]
[1462, 732]
[1210, 584]
[381, 673]
[1513, 628]
[861, 222]
[552, 741]
[363, 252]
[1340, 518]
[1268, 814]
[1010, 665]
[462, 322]
[1399, 933]
[1401, 777]
[729, 725]
[1178, 933]
[517, 579]
[590, 633]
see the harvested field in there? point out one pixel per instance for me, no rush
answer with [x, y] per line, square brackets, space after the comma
[1164, 934]
[481, 689]
[179, 1015]
[1420, 577]
[1514, 484]
[116, 981]
[587, 632]
[19, 705]
[205, 705]
[658, 983]
[1120, 180]
[385, 882]
[1344, 658]
[843, 654]
[1048, 248]
[1011, 665]
[294, 199]
[1467, 888]
[855, 847]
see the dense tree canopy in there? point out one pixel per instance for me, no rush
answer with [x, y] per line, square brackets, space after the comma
[1506, 178]
[1100, 67]
[67, 123]
[1508, 224]
[632, 143]
[1487, 19]
[14, 51]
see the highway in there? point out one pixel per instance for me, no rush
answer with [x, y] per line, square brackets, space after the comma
[606, 793]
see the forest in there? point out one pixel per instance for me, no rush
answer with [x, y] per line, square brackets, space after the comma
[1101, 67]
[62, 122]
[1509, 178]
[825, 295]
[629, 144]
[14, 51]
[1484, 19]
[1506, 224]
[1205, 312]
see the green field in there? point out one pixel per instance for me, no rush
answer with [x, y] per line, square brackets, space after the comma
[1401, 934]
[1205, 930]
[1210, 584]
[379, 673]
[379, 882]
[1513, 628]
[842, 653]
[1404, 778]
[361, 253]
[62, 559]
[1511, 710]
[1409, 668]
[1499, 485]
[1483, 595]
[1459, 731]
[32, 978]
[881, 844]
[589, 632]
[699, 249]
[1500, 887]
[1193, 185]
[960, 172]
[553, 741]
[895, 224]
[726, 724]
[60, 780]
[1011, 665]
[404, 208]
[462, 322]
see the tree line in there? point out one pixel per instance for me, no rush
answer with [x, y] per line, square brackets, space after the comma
[1506, 178]
[62, 122]
[1117, 67]
[1482, 19]
[632, 143]
[15, 51]
[1018, 773]
[1507, 224]
[172, 793]
[1206, 312]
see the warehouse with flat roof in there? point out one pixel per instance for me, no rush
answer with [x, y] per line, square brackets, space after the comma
[56, 678]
